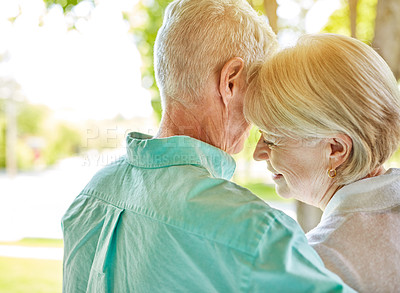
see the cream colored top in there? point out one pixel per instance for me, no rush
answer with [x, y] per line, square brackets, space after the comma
[358, 237]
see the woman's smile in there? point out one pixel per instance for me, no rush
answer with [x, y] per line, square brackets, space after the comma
[277, 176]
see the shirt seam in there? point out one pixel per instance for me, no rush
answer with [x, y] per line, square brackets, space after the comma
[125, 160]
[155, 166]
[257, 252]
[147, 214]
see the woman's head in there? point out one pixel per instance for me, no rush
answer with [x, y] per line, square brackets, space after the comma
[329, 86]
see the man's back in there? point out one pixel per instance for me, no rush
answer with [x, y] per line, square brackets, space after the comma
[165, 219]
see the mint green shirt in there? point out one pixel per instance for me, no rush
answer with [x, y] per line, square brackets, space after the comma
[166, 218]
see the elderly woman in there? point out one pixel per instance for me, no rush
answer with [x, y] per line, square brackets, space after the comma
[329, 113]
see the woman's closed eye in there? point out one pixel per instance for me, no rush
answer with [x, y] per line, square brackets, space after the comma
[265, 140]
[269, 143]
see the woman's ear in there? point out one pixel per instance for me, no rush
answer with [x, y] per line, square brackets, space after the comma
[340, 147]
[229, 78]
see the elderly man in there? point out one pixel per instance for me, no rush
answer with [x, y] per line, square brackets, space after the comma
[165, 217]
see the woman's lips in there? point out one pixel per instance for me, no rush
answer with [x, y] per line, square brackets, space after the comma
[276, 176]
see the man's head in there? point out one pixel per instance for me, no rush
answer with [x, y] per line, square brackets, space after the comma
[199, 36]
[197, 40]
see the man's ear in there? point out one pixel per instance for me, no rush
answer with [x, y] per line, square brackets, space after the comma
[340, 147]
[229, 78]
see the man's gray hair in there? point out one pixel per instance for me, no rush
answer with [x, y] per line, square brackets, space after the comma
[199, 36]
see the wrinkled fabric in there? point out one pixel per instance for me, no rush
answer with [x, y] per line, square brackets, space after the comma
[359, 234]
[165, 218]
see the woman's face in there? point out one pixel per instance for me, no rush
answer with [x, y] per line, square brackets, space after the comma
[298, 166]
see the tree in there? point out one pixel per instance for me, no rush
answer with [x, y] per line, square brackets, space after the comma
[373, 22]
[357, 19]
[353, 17]
[387, 33]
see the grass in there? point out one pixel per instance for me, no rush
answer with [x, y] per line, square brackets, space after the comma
[30, 275]
[20, 275]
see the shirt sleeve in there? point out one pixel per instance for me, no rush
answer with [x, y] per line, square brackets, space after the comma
[284, 262]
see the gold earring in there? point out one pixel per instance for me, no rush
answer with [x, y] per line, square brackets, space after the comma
[332, 173]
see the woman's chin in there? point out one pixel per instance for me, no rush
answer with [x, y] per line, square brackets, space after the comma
[283, 192]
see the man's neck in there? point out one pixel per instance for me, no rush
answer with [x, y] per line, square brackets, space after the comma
[193, 122]
[173, 124]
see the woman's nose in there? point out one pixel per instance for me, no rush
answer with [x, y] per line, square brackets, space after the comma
[261, 151]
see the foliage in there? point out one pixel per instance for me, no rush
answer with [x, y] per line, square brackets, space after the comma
[25, 156]
[66, 142]
[41, 139]
[30, 275]
[339, 22]
[66, 5]
[145, 31]
[31, 118]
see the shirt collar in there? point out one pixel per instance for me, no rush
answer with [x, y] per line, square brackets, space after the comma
[147, 152]
[368, 194]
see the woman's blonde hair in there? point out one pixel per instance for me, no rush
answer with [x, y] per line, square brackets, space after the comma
[325, 85]
[199, 36]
